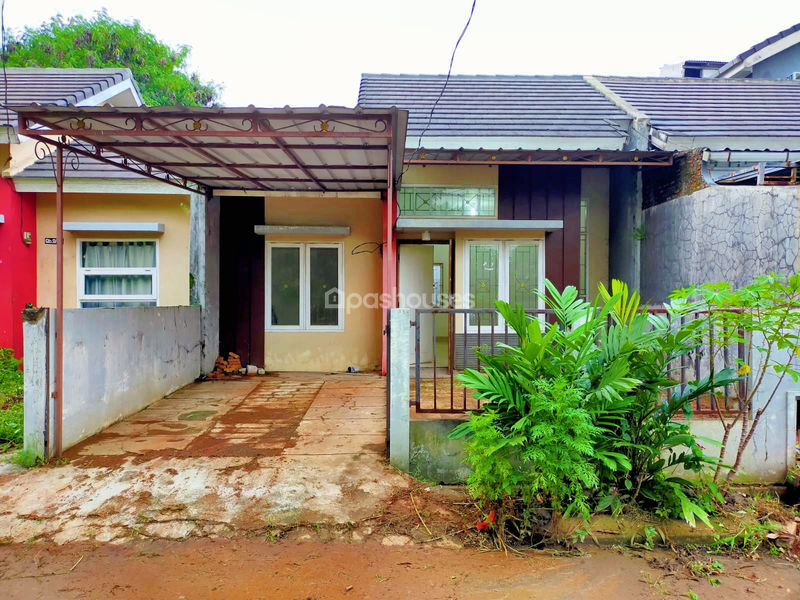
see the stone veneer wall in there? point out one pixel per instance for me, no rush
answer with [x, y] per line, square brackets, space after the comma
[720, 233]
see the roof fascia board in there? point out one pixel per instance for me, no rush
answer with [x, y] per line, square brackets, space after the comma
[724, 143]
[743, 67]
[81, 185]
[126, 85]
[517, 142]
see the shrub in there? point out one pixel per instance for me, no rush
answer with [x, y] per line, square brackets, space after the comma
[583, 411]
[11, 407]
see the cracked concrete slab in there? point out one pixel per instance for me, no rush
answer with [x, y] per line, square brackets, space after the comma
[276, 450]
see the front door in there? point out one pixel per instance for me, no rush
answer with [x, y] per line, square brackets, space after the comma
[415, 290]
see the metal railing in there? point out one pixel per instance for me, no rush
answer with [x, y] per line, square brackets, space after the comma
[435, 389]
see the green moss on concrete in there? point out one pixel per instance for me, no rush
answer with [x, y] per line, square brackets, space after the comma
[435, 457]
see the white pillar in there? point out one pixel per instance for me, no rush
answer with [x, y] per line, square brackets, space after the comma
[399, 390]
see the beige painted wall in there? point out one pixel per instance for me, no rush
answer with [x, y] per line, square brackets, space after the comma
[173, 245]
[595, 191]
[359, 344]
[475, 175]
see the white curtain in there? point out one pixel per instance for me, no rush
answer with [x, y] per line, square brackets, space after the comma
[109, 255]
[119, 254]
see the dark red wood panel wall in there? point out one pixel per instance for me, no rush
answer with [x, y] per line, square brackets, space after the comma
[241, 278]
[545, 192]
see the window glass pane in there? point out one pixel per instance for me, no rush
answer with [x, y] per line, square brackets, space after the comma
[523, 275]
[118, 254]
[323, 286]
[118, 285]
[425, 201]
[437, 284]
[285, 286]
[483, 280]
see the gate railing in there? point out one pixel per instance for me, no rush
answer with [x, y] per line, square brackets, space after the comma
[435, 389]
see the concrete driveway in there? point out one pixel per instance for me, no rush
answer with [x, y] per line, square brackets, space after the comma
[216, 458]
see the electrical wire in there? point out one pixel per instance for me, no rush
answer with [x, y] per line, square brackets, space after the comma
[441, 93]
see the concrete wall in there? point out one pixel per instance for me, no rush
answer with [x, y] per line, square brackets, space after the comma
[359, 344]
[433, 456]
[625, 219]
[467, 175]
[720, 233]
[771, 451]
[204, 267]
[595, 188]
[116, 362]
[173, 245]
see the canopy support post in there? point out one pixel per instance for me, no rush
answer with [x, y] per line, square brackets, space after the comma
[59, 370]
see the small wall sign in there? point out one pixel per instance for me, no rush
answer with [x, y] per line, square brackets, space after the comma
[51, 240]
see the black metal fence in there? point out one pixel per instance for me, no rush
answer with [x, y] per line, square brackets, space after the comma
[436, 389]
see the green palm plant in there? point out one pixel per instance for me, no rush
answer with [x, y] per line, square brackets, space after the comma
[609, 364]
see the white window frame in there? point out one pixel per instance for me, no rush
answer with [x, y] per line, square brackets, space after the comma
[503, 276]
[304, 289]
[82, 272]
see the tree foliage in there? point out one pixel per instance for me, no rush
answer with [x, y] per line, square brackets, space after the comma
[103, 42]
[764, 318]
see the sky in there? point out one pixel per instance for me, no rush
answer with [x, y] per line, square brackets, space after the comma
[311, 52]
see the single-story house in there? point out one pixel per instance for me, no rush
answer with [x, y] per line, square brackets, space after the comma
[117, 224]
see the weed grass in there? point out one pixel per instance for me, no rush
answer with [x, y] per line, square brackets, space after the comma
[11, 406]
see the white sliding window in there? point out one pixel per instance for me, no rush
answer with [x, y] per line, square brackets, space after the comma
[304, 284]
[115, 273]
[509, 270]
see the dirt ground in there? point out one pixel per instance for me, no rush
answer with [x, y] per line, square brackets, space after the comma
[310, 569]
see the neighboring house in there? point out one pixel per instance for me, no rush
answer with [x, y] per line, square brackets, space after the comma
[118, 224]
[705, 219]
[777, 57]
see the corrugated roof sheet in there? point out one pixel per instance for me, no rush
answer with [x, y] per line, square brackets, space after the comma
[497, 105]
[59, 87]
[297, 149]
[733, 108]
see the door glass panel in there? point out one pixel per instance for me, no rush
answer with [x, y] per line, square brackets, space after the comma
[323, 286]
[285, 285]
[437, 285]
[483, 281]
[523, 275]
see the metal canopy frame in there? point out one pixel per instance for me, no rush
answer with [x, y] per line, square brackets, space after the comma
[202, 149]
[501, 156]
[206, 149]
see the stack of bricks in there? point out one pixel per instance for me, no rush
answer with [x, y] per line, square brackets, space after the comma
[224, 368]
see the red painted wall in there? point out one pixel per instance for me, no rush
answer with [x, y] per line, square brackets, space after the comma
[17, 262]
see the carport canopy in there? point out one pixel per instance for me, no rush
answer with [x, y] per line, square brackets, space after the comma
[205, 149]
